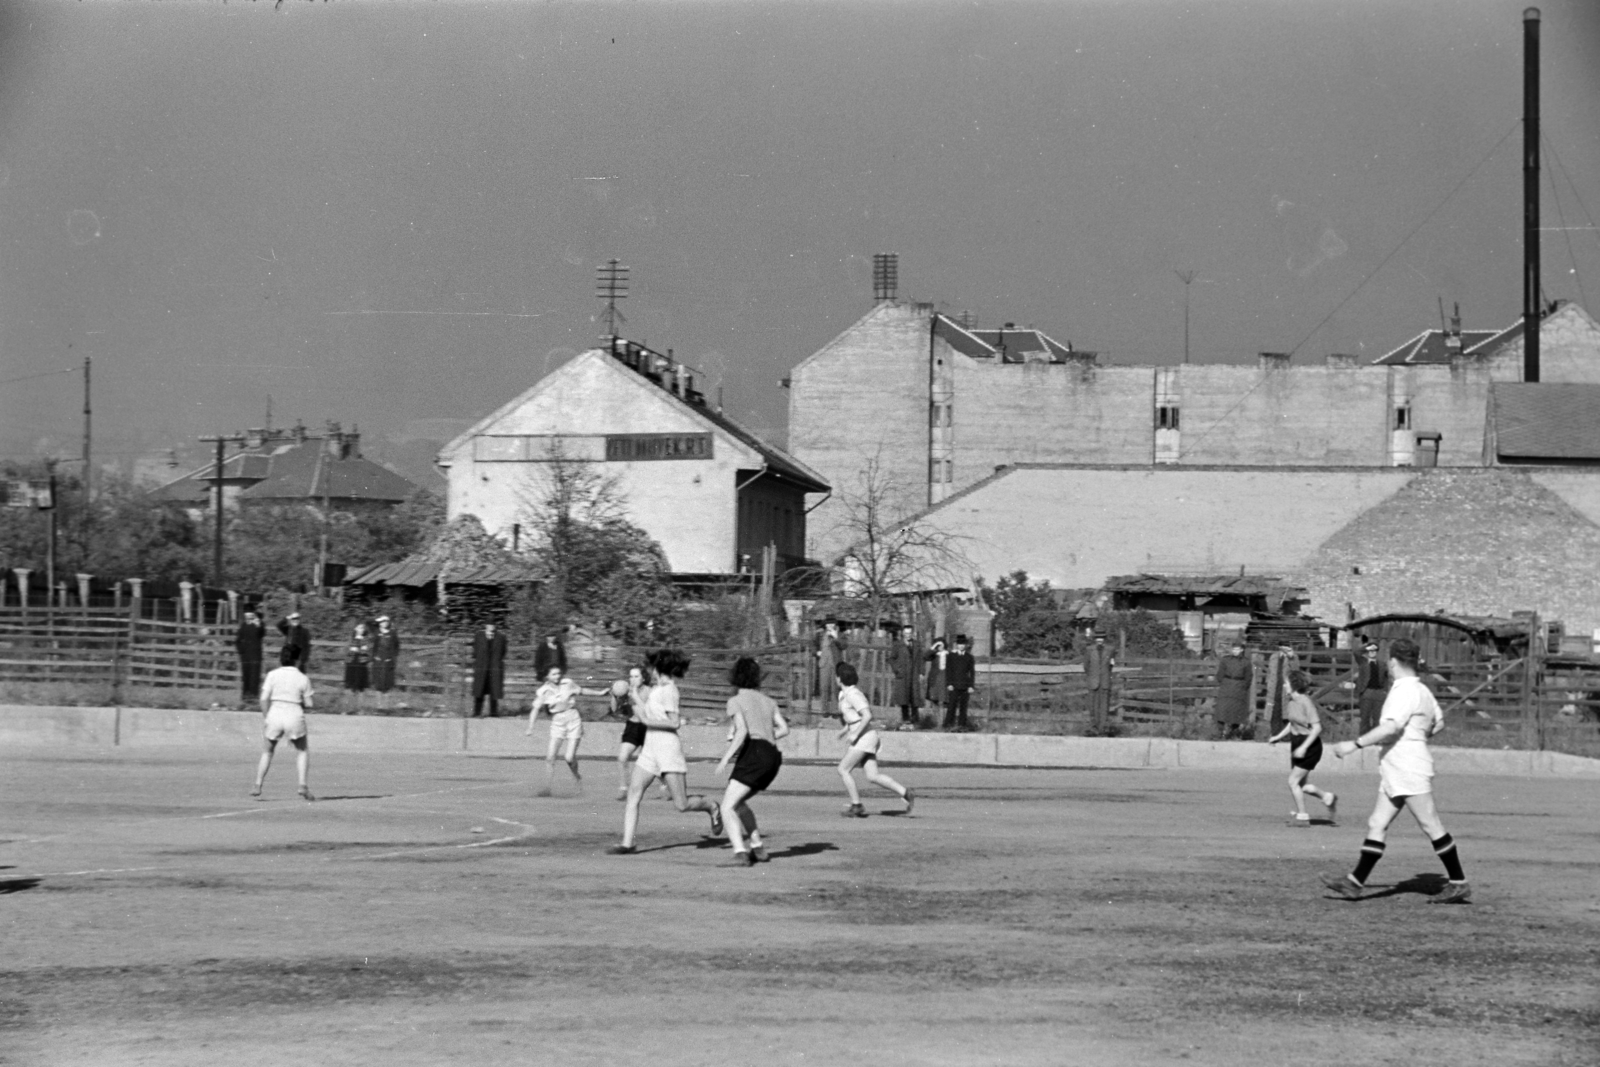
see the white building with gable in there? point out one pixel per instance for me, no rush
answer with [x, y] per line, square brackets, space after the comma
[711, 493]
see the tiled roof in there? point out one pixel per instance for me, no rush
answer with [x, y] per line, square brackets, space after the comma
[1274, 590]
[416, 574]
[778, 461]
[306, 472]
[1546, 420]
[292, 472]
[961, 339]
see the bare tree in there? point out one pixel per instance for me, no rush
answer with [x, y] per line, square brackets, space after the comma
[891, 548]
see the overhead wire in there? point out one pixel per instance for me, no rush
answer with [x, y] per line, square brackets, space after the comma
[1361, 284]
[1566, 231]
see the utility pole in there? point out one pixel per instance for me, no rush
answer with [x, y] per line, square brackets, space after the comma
[216, 480]
[88, 467]
[50, 549]
[1185, 276]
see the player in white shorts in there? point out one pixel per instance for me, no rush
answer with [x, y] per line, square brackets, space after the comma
[285, 696]
[863, 739]
[559, 695]
[1410, 716]
[662, 753]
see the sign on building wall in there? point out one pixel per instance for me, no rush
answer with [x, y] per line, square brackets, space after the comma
[617, 448]
[631, 447]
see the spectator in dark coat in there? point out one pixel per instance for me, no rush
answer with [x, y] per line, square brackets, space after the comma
[1234, 675]
[488, 669]
[247, 642]
[550, 653]
[1098, 674]
[904, 665]
[1372, 686]
[297, 636]
[960, 674]
[934, 691]
[385, 655]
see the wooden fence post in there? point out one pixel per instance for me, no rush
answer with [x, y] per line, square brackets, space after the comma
[1530, 726]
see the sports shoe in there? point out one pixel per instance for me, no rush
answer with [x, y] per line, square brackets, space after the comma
[1342, 886]
[716, 822]
[854, 811]
[256, 791]
[759, 854]
[1332, 800]
[911, 801]
[621, 850]
[305, 794]
[1452, 893]
[740, 859]
[1300, 819]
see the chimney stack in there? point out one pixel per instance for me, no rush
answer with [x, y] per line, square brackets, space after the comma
[885, 276]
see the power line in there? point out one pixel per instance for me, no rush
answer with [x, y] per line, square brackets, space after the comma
[1361, 284]
[1555, 194]
[41, 374]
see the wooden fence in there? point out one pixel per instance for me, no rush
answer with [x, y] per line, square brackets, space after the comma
[1547, 702]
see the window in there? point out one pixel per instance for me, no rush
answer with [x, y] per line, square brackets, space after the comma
[949, 471]
[942, 415]
[1166, 416]
[1402, 417]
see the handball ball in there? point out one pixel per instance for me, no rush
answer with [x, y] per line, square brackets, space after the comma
[619, 688]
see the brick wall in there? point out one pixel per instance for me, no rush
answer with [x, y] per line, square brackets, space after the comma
[865, 394]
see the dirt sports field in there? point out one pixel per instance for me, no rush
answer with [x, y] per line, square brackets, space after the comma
[430, 910]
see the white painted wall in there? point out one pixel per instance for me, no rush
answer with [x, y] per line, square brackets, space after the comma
[688, 506]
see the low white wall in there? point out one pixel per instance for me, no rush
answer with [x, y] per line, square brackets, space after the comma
[157, 728]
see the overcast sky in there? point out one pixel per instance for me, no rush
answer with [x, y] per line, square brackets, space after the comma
[391, 213]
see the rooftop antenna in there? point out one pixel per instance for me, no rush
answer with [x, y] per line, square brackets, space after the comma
[1185, 276]
[611, 285]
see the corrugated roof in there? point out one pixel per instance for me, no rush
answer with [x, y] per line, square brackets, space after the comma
[1546, 420]
[1016, 345]
[409, 573]
[1429, 347]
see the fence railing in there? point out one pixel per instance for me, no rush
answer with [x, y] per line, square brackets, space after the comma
[1539, 703]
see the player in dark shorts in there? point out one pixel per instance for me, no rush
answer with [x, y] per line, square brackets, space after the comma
[757, 725]
[1302, 728]
[623, 703]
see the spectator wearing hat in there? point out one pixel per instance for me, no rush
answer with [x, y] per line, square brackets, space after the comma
[904, 665]
[296, 636]
[1234, 675]
[1098, 665]
[934, 691]
[385, 656]
[247, 642]
[550, 653]
[1372, 686]
[960, 673]
[488, 669]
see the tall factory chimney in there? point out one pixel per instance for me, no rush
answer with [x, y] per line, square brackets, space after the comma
[1531, 295]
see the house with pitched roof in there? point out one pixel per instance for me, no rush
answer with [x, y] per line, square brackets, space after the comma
[277, 467]
[711, 493]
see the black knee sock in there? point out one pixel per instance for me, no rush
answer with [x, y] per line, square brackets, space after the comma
[1371, 853]
[1445, 849]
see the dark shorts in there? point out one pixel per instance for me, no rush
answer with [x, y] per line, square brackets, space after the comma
[757, 764]
[633, 733]
[1312, 757]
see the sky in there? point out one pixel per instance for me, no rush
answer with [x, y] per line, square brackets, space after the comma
[390, 214]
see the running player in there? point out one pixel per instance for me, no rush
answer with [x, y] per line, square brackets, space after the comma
[662, 753]
[1303, 728]
[560, 695]
[757, 725]
[863, 740]
[1410, 716]
[624, 703]
[285, 696]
